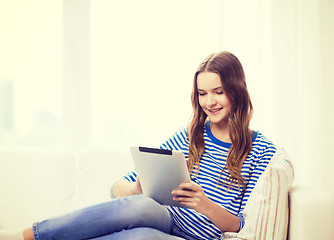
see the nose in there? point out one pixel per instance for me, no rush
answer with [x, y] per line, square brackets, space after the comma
[211, 101]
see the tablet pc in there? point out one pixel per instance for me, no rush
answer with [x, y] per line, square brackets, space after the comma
[160, 171]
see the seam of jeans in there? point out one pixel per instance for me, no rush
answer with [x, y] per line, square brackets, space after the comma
[35, 231]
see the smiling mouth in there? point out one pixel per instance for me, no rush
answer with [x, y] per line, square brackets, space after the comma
[213, 111]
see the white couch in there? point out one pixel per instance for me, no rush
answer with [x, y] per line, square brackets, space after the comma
[35, 185]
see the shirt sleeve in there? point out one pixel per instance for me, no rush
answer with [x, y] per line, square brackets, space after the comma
[242, 221]
[131, 176]
[260, 164]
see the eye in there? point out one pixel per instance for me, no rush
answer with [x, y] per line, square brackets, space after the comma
[201, 93]
[219, 92]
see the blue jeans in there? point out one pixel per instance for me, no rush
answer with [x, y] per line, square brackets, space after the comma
[135, 217]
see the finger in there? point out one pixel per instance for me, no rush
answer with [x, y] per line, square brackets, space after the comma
[182, 192]
[183, 200]
[190, 186]
[186, 202]
[186, 185]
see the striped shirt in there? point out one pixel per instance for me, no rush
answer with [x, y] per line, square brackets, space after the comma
[212, 163]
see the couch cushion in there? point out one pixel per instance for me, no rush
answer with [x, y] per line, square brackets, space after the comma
[99, 169]
[266, 212]
[35, 185]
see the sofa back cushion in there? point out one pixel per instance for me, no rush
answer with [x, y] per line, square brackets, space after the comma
[35, 185]
[98, 170]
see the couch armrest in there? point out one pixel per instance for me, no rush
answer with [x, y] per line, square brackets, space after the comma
[311, 213]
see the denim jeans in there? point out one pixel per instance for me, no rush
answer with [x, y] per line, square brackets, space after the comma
[134, 217]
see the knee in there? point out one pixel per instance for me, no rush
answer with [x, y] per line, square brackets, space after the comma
[140, 203]
[145, 212]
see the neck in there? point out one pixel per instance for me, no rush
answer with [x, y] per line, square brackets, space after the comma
[221, 131]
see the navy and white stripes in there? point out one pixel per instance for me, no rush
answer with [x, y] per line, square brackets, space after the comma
[212, 163]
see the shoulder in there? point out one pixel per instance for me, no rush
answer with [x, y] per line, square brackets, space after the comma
[262, 147]
[181, 135]
[177, 141]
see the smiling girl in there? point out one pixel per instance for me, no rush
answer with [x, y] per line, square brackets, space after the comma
[224, 157]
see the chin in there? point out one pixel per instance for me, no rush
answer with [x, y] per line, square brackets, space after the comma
[218, 121]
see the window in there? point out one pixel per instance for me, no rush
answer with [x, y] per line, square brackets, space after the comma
[30, 73]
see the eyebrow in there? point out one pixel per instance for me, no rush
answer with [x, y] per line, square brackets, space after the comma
[217, 88]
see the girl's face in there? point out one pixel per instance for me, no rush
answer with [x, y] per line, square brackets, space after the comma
[212, 98]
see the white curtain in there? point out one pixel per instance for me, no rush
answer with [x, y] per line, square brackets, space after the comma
[286, 48]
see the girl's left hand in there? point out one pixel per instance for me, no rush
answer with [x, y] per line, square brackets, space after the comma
[192, 195]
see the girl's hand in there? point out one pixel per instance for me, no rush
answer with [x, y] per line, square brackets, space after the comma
[137, 187]
[124, 188]
[192, 195]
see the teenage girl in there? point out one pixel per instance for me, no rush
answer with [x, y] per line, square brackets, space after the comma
[224, 157]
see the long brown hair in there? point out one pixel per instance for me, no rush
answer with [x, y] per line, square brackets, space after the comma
[232, 77]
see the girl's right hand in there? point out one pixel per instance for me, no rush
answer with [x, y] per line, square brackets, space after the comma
[137, 187]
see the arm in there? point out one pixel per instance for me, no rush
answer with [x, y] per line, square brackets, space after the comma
[125, 188]
[193, 196]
